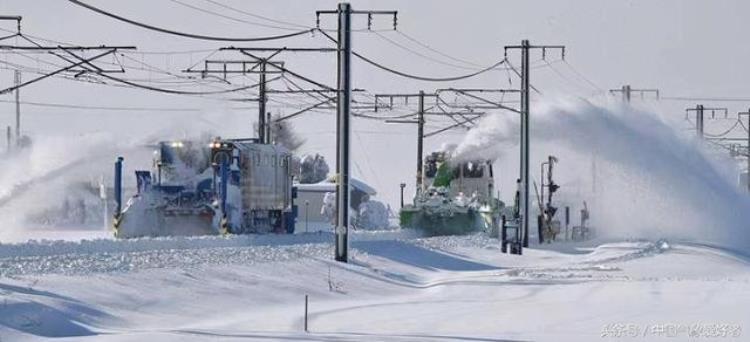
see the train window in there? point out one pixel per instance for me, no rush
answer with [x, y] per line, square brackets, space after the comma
[256, 159]
[489, 166]
[275, 161]
[473, 169]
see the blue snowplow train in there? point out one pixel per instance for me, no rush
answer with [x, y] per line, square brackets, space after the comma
[226, 186]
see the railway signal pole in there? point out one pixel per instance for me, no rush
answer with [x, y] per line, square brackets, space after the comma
[525, 48]
[343, 115]
[627, 92]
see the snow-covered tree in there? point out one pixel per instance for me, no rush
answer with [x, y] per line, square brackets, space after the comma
[313, 169]
[372, 215]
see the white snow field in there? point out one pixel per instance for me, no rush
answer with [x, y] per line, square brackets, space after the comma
[397, 287]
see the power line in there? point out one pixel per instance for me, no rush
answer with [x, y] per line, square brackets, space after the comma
[715, 99]
[184, 34]
[437, 51]
[74, 106]
[416, 53]
[200, 9]
[420, 78]
[140, 52]
[174, 91]
[256, 15]
[581, 76]
[723, 133]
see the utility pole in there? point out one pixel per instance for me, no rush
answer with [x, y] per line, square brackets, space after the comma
[268, 138]
[343, 107]
[525, 70]
[700, 117]
[9, 139]
[262, 103]
[525, 103]
[699, 120]
[256, 66]
[402, 186]
[420, 121]
[627, 92]
[17, 78]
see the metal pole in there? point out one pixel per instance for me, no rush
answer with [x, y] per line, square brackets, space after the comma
[626, 93]
[567, 221]
[118, 187]
[262, 103]
[549, 181]
[420, 141]
[268, 137]
[699, 120]
[305, 313]
[541, 180]
[9, 137]
[525, 142]
[402, 186]
[343, 106]
[17, 77]
[503, 236]
[307, 207]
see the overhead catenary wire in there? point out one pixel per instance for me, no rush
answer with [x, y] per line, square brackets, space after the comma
[257, 16]
[459, 60]
[416, 77]
[722, 134]
[698, 98]
[14, 66]
[581, 76]
[185, 34]
[416, 53]
[107, 108]
[175, 91]
[200, 9]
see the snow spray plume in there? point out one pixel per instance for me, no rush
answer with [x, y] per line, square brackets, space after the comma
[650, 181]
[283, 133]
[36, 182]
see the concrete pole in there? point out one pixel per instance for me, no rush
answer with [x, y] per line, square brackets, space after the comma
[343, 107]
[402, 186]
[9, 137]
[626, 93]
[699, 120]
[268, 138]
[262, 103]
[420, 141]
[524, 202]
[17, 77]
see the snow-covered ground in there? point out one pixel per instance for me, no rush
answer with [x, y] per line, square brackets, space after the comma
[397, 287]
